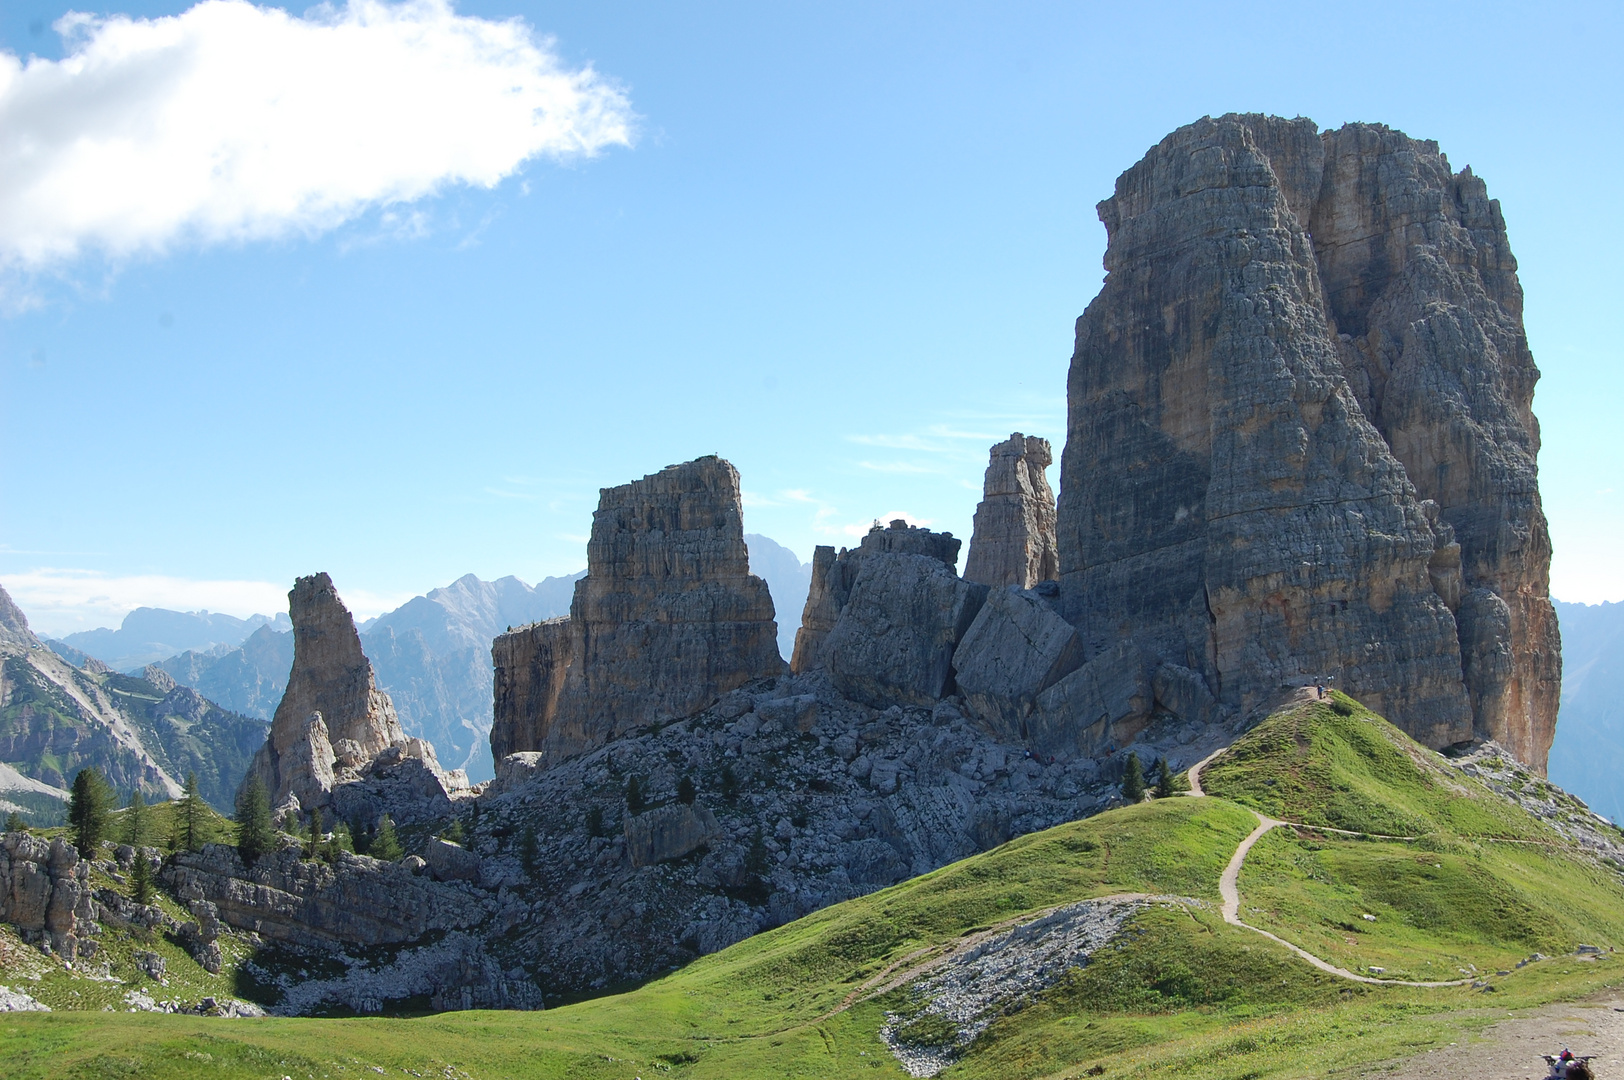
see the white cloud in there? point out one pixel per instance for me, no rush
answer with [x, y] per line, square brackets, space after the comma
[61, 601]
[232, 122]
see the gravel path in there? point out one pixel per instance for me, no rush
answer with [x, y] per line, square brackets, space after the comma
[1512, 1048]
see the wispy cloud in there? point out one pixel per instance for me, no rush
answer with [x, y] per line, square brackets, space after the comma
[231, 122]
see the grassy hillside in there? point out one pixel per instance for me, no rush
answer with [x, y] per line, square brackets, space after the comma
[1177, 992]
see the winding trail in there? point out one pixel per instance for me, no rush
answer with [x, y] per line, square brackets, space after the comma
[1229, 888]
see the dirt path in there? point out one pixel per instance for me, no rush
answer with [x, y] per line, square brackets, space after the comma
[1511, 1049]
[1229, 890]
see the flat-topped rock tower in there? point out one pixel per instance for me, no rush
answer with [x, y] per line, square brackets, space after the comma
[1014, 539]
[667, 619]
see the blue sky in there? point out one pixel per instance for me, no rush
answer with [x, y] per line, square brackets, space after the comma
[844, 248]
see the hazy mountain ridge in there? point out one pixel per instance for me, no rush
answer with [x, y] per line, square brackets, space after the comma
[141, 732]
[1589, 747]
[148, 635]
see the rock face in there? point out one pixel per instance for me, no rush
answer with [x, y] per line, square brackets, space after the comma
[530, 663]
[1014, 539]
[667, 619]
[1017, 647]
[834, 577]
[335, 742]
[1299, 439]
[45, 890]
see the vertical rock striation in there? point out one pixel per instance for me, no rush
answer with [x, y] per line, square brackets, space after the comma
[1421, 285]
[667, 619]
[1299, 440]
[1014, 539]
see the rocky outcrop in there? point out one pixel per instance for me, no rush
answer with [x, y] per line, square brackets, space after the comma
[335, 742]
[358, 902]
[1014, 539]
[1303, 384]
[45, 891]
[530, 664]
[667, 619]
[834, 577]
[893, 643]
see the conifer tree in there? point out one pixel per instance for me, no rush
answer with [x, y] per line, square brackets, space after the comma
[87, 812]
[634, 796]
[454, 832]
[141, 879]
[314, 845]
[1164, 781]
[685, 790]
[1133, 780]
[137, 824]
[15, 822]
[340, 841]
[256, 837]
[386, 845]
[191, 817]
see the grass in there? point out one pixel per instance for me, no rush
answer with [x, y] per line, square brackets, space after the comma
[1179, 993]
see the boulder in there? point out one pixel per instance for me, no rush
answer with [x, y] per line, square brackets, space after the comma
[1017, 647]
[451, 862]
[669, 832]
[1098, 707]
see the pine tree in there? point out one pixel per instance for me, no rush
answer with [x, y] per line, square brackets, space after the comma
[685, 791]
[730, 784]
[141, 879]
[191, 817]
[634, 796]
[87, 812]
[340, 841]
[256, 836]
[15, 822]
[1133, 780]
[594, 821]
[1164, 781]
[313, 846]
[455, 832]
[137, 822]
[359, 838]
[386, 845]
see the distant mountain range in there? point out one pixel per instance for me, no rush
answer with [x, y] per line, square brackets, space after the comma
[143, 731]
[148, 635]
[432, 654]
[1588, 753]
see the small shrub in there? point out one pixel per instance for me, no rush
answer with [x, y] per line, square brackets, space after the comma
[730, 784]
[685, 791]
[634, 796]
[594, 823]
[1341, 708]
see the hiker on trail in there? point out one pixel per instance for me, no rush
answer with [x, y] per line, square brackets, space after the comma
[1320, 686]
